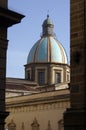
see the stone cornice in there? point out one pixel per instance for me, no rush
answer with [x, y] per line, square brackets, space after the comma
[9, 17]
[36, 99]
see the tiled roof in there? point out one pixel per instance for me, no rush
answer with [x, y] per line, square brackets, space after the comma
[20, 84]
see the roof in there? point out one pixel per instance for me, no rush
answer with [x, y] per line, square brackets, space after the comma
[47, 48]
[20, 81]
[20, 84]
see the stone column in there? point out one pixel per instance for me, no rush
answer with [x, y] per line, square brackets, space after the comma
[74, 118]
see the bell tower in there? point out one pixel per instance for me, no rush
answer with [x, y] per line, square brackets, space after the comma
[74, 118]
[7, 19]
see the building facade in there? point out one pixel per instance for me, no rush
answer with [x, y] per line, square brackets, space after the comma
[38, 101]
[41, 108]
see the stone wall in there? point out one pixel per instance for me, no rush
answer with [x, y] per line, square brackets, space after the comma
[44, 107]
[78, 50]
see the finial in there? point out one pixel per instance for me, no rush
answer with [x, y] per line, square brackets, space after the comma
[48, 14]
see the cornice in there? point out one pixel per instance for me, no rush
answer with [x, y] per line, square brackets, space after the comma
[36, 99]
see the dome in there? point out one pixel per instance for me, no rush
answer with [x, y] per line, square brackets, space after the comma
[47, 48]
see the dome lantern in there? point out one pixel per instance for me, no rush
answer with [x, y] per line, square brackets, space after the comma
[47, 27]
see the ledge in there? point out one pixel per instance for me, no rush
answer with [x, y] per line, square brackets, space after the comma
[9, 17]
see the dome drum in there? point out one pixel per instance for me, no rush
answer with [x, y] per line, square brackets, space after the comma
[46, 73]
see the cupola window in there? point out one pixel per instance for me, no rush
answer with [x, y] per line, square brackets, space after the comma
[57, 77]
[29, 75]
[41, 77]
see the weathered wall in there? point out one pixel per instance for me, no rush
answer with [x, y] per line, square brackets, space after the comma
[78, 52]
[44, 107]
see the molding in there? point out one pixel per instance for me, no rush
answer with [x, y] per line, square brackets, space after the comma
[40, 107]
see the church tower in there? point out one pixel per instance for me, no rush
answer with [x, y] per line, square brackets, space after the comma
[47, 62]
[7, 19]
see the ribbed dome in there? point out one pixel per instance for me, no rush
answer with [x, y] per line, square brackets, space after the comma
[48, 48]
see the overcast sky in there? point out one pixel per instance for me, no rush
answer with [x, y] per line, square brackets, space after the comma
[24, 35]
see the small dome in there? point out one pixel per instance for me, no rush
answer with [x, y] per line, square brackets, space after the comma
[48, 48]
